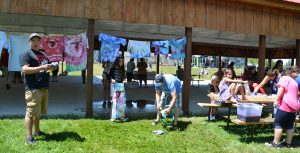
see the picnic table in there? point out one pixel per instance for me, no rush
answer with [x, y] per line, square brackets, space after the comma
[196, 79]
[259, 99]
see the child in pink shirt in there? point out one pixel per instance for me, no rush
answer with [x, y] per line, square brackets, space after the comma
[287, 96]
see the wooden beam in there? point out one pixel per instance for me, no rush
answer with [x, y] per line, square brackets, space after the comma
[298, 52]
[261, 57]
[187, 72]
[273, 3]
[90, 65]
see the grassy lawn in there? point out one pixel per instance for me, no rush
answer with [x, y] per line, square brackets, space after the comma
[164, 69]
[92, 135]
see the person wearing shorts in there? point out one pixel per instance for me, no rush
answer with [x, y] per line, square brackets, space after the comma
[35, 67]
[287, 98]
[168, 96]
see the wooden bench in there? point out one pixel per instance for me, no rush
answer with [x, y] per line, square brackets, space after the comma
[210, 106]
[198, 82]
[261, 121]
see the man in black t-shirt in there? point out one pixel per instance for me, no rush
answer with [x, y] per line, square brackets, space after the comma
[35, 67]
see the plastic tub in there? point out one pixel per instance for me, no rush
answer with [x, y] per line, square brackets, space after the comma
[249, 112]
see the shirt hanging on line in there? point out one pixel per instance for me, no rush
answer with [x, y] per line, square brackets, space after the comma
[139, 49]
[19, 44]
[53, 47]
[76, 52]
[178, 48]
[110, 47]
[161, 47]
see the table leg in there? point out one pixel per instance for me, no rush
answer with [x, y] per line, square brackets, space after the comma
[208, 115]
[228, 117]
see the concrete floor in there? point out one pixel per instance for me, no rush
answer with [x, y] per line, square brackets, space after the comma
[68, 96]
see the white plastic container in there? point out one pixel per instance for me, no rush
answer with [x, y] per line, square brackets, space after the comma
[249, 112]
[247, 89]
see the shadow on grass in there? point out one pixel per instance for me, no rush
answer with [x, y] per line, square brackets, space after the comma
[183, 125]
[63, 136]
[252, 133]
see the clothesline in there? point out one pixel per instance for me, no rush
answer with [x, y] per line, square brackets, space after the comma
[110, 46]
[74, 47]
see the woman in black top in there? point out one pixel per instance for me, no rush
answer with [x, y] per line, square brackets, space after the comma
[117, 73]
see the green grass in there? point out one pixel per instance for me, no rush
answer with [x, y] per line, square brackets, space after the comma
[164, 69]
[92, 135]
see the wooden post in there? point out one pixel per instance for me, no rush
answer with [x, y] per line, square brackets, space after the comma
[90, 65]
[292, 61]
[298, 52]
[246, 61]
[157, 64]
[220, 62]
[83, 76]
[187, 72]
[270, 63]
[262, 56]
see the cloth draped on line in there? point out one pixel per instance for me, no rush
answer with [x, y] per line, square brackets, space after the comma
[161, 47]
[76, 52]
[53, 47]
[178, 48]
[139, 49]
[119, 101]
[3, 41]
[19, 44]
[110, 47]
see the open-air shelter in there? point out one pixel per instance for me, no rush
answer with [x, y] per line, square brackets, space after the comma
[241, 28]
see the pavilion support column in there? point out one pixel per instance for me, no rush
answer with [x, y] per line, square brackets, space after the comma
[187, 72]
[157, 64]
[90, 65]
[292, 61]
[261, 57]
[220, 62]
[246, 61]
[270, 63]
[298, 52]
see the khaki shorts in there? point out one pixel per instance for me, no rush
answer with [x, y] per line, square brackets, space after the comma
[36, 102]
[166, 98]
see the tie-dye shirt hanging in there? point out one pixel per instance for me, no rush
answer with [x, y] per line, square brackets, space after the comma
[139, 49]
[53, 47]
[3, 41]
[178, 48]
[76, 52]
[161, 47]
[119, 101]
[19, 44]
[110, 47]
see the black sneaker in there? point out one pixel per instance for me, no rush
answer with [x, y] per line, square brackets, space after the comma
[40, 133]
[8, 86]
[273, 145]
[285, 145]
[104, 103]
[30, 141]
[109, 103]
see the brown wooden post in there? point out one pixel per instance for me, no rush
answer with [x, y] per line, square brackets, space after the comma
[298, 52]
[220, 62]
[157, 64]
[83, 76]
[270, 63]
[187, 72]
[262, 56]
[90, 65]
[246, 61]
[292, 61]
